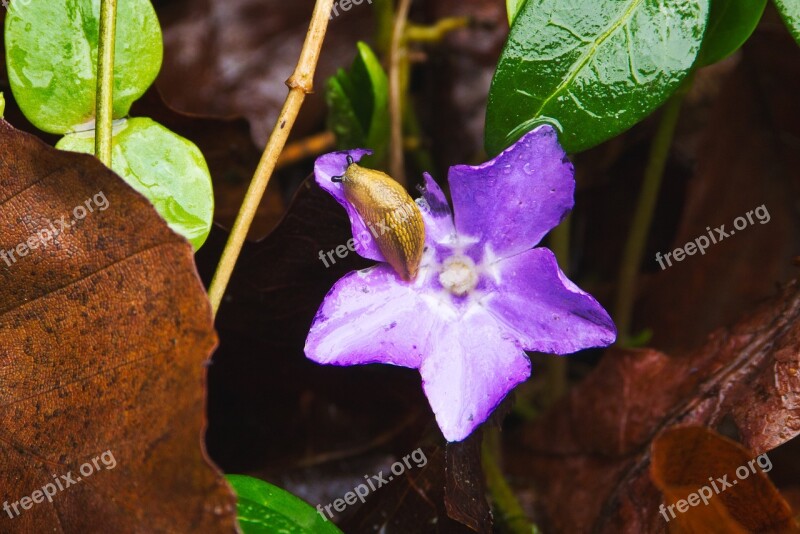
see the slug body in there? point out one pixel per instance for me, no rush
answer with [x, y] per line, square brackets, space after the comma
[391, 215]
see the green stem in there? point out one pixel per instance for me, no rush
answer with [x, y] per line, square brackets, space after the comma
[509, 510]
[435, 33]
[105, 81]
[643, 216]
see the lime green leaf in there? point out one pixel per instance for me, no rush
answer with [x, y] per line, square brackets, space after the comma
[592, 68]
[2, 105]
[51, 55]
[358, 102]
[730, 23]
[790, 13]
[265, 509]
[512, 6]
[167, 169]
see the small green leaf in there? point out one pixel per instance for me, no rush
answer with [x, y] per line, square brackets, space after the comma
[790, 13]
[265, 509]
[730, 23]
[51, 55]
[592, 68]
[167, 169]
[2, 105]
[358, 102]
[512, 7]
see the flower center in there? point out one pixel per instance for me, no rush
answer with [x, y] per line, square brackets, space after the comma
[459, 275]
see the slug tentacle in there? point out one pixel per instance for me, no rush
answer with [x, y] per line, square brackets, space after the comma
[390, 214]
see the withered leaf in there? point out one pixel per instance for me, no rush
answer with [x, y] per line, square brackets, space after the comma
[465, 487]
[589, 456]
[104, 333]
[733, 493]
[414, 503]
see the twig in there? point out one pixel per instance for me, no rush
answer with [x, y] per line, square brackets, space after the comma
[300, 83]
[643, 216]
[396, 57]
[105, 81]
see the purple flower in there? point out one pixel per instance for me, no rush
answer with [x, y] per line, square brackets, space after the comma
[482, 297]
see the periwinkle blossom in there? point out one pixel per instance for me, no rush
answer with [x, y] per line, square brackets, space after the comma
[482, 296]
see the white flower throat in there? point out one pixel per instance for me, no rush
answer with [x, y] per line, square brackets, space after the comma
[459, 275]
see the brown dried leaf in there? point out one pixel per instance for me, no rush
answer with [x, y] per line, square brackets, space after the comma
[589, 456]
[104, 333]
[465, 487]
[732, 492]
[237, 54]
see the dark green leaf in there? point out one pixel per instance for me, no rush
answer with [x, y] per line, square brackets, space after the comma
[164, 167]
[51, 55]
[730, 23]
[592, 68]
[358, 101]
[265, 509]
[790, 13]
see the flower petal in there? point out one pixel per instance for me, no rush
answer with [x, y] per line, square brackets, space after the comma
[468, 370]
[334, 164]
[370, 316]
[436, 213]
[512, 201]
[543, 309]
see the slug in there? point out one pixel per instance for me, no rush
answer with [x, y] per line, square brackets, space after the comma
[391, 215]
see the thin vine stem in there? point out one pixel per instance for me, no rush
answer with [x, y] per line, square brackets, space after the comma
[397, 60]
[508, 507]
[300, 83]
[105, 81]
[645, 208]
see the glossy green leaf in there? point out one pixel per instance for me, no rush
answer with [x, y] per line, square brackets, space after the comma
[358, 103]
[51, 55]
[2, 105]
[790, 13]
[592, 68]
[266, 509]
[167, 169]
[512, 7]
[730, 24]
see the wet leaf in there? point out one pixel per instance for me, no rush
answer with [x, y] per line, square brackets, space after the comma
[266, 509]
[589, 456]
[51, 55]
[732, 491]
[231, 155]
[359, 106]
[730, 23]
[105, 332]
[592, 68]
[790, 13]
[164, 167]
[513, 6]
